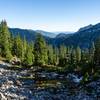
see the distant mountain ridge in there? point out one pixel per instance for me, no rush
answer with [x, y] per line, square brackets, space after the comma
[83, 37]
[29, 34]
[48, 34]
[86, 27]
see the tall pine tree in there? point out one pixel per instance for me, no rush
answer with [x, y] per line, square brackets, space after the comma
[5, 41]
[40, 51]
[97, 52]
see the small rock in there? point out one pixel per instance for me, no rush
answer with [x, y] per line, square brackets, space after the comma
[2, 97]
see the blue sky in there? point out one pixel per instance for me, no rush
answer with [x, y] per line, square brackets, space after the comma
[50, 15]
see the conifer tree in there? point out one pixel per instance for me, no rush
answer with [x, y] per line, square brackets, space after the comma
[50, 55]
[68, 55]
[62, 51]
[28, 58]
[24, 48]
[78, 54]
[56, 56]
[5, 40]
[17, 47]
[40, 50]
[73, 57]
[97, 52]
[91, 54]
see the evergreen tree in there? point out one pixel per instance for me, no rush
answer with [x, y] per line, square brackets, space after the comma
[78, 54]
[17, 47]
[56, 56]
[85, 57]
[91, 52]
[62, 51]
[5, 41]
[50, 55]
[40, 50]
[73, 57]
[28, 58]
[24, 49]
[97, 52]
[68, 55]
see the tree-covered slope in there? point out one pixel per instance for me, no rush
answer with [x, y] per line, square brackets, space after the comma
[83, 38]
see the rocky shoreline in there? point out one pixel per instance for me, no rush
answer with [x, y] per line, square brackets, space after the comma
[13, 88]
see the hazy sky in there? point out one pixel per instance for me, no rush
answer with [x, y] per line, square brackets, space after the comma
[50, 15]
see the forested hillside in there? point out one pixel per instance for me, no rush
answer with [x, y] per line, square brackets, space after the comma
[83, 38]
